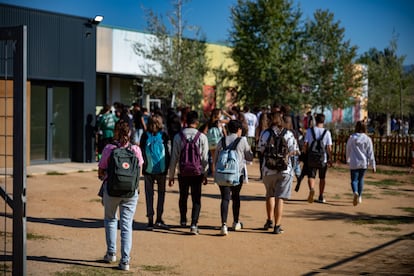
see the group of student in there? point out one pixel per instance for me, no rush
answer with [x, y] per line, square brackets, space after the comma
[190, 153]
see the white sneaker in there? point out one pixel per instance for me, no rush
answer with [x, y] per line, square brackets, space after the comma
[237, 226]
[355, 202]
[110, 258]
[360, 199]
[224, 230]
[123, 266]
[194, 230]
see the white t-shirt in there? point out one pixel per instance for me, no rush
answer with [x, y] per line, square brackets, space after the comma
[251, 120]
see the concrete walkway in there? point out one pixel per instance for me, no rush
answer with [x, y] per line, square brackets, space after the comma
[61, 168]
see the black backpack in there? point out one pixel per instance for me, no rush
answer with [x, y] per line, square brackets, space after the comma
[123, 172]
[316, 151]
[276, 151]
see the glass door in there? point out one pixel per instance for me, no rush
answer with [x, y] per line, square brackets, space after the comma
[50, 124]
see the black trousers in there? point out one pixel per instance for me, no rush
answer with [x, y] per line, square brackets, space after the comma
[187, 183]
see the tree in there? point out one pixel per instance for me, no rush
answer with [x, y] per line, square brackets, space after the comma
[178, 64]
[333, 79]
[267, 49]
[390, 88]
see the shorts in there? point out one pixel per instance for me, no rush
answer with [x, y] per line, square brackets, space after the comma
[322, 172]
[278, 185]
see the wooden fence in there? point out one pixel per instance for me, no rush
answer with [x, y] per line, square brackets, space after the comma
[390, 150]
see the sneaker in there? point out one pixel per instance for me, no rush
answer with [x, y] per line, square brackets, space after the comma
[237, 226]
[194, 230]
[355, 202]
[360, 199]
[224, 230]
[110, 257]
[162, 225]
[183, 223]
[321, 199]
[268, 224]
[278, 229]
[311, 195]
[123, 266]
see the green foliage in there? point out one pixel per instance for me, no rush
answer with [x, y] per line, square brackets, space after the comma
[390, 88]
[333, 79]
[282, 61]
[267, 49]
[178, 64]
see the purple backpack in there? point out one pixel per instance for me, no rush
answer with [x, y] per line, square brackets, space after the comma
[190, 157]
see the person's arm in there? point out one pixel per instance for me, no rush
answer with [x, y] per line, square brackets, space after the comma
[176, 148]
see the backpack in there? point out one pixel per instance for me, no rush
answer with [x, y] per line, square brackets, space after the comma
[155, 154]
[276, 151]
[227, 167]
[316, 151]
[213, 135]
[190, 156]
[123, 172]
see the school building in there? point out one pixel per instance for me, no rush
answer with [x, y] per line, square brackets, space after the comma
[74, 67]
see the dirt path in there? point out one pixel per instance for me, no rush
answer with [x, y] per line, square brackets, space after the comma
[65, 231]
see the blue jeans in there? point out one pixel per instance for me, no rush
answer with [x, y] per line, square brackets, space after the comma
[357, 180]
[127, 208]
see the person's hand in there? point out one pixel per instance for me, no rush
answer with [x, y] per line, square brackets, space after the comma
[330, 163]
[205, 180]
[171, 182]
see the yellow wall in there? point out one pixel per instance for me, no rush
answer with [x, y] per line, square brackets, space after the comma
[218, 57]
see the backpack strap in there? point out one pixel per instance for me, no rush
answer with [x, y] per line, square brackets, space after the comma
[313, 133]
[323, 134]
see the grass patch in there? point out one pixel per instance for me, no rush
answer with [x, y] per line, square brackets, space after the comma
[96, 200]
[385, 183]
[385, 229]
[357, 233]
[158, 268]
[407, 209]
[5, 268]
[338, 169]
[81, 171]
[389, 172]
[31, 236]
[6, 234]
[385, 220]
[392, 193]
[91, 271]
[54, 173]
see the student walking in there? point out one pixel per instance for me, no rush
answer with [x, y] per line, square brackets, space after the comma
[359, 155]
[190, 150]
[154, 147]
[125, 203]
[277, 145]
[243, 152]
[318, 149]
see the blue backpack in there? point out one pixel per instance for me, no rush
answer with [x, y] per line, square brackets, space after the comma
[155, 154]
[228, 166]
[213, 135]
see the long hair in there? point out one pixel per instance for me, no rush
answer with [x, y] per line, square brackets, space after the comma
[155, 123]
[122, 132]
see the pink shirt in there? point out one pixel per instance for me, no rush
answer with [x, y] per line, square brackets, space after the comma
[106, 153]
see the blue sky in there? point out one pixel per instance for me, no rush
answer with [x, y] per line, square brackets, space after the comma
[368, 23]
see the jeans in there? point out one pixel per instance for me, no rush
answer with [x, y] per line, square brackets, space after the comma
[296, 165]
[357, 180]
[149, 180]
[225, 192]
[127, 208]
[185, 183]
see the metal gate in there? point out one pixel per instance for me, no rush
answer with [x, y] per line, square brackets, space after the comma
[13, 78]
